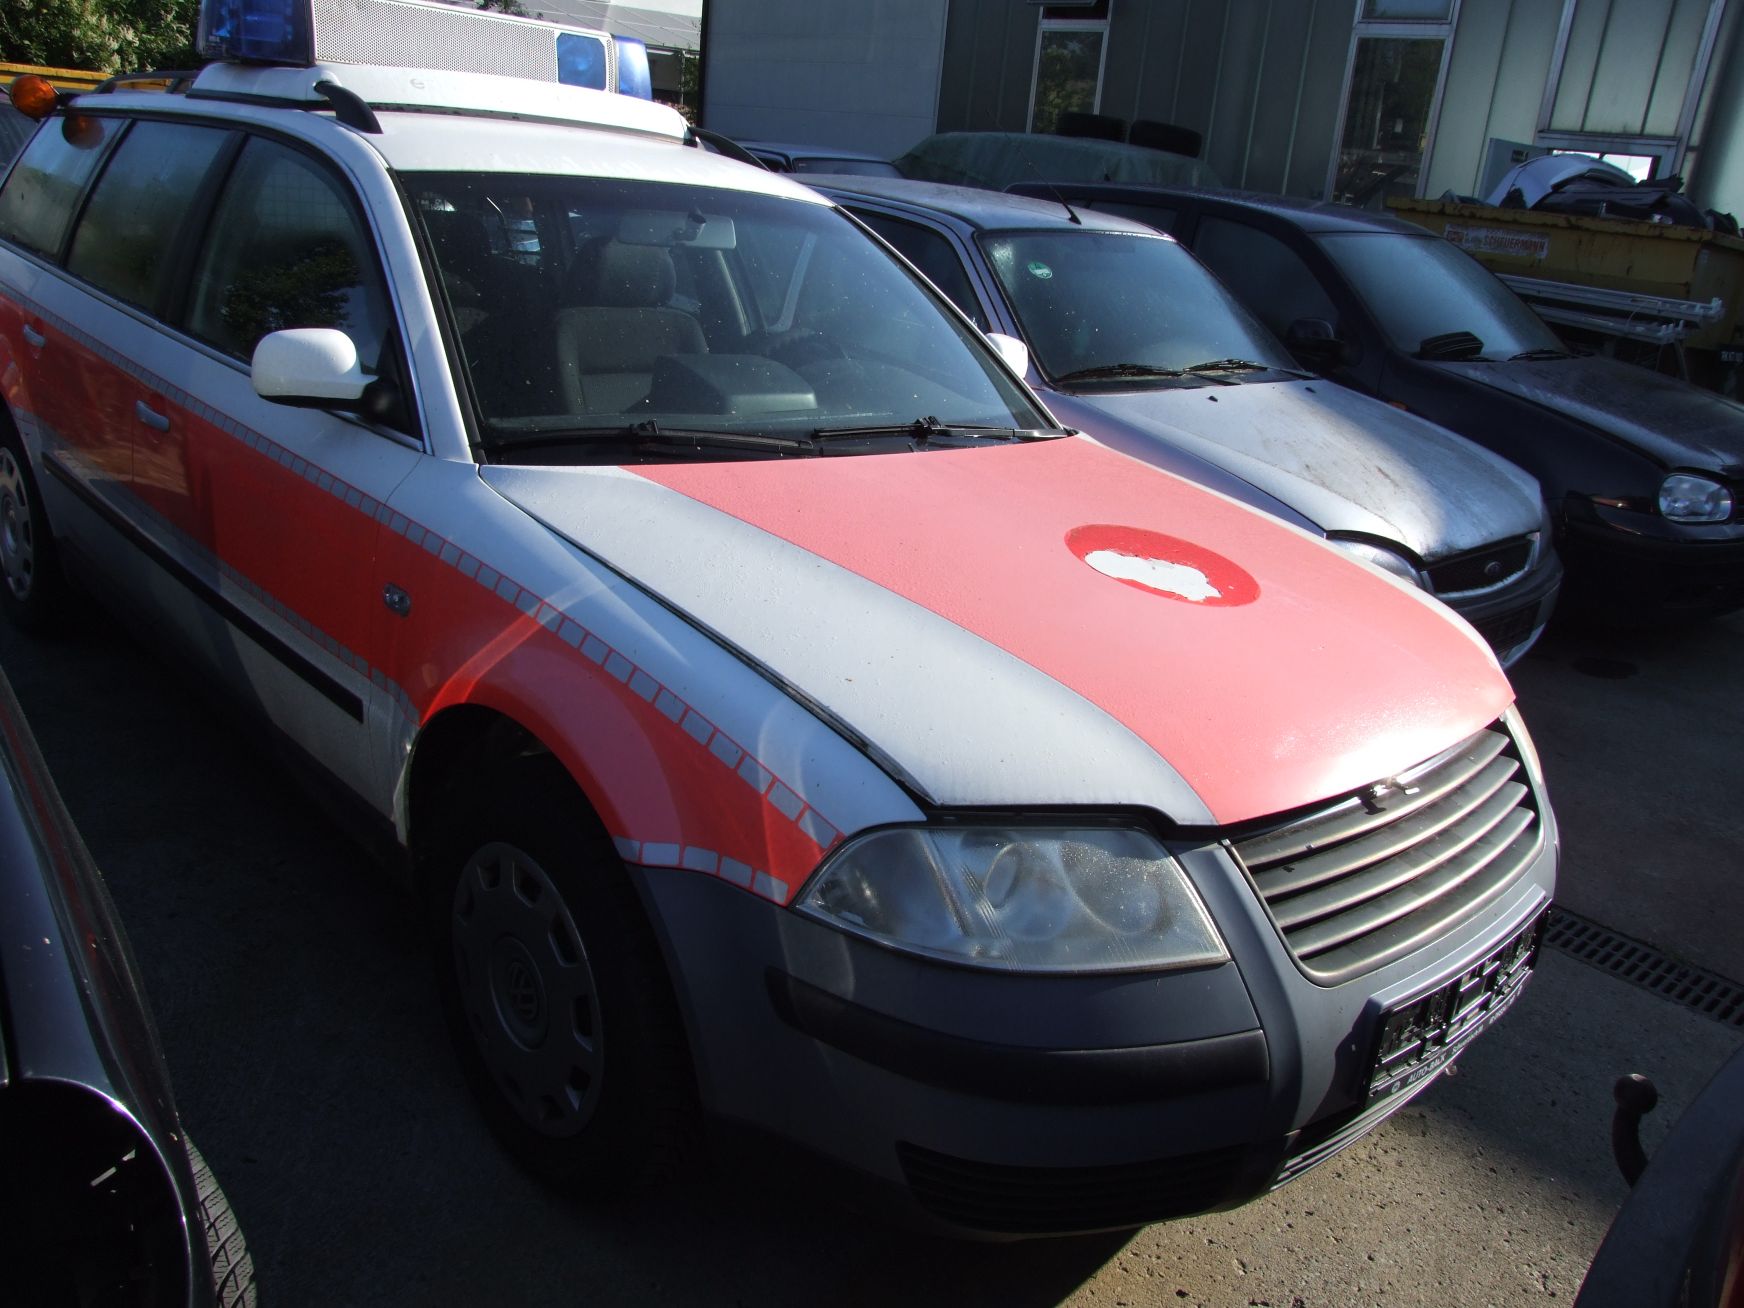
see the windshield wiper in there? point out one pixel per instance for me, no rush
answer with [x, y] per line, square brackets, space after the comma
[929, 429]
[1545, 353]
[651, 436]
[1233, 365]
[1106, 370]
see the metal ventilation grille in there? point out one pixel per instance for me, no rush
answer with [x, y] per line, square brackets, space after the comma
[1385, 871]
[1641, 964]
[1482, 568]
[420, 36]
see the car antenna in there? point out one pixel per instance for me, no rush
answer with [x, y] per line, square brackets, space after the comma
[1030, 164]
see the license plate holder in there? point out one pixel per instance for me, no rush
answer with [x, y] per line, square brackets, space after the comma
[1416, 1038]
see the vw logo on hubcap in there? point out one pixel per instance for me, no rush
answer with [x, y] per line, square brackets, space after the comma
[518, 990]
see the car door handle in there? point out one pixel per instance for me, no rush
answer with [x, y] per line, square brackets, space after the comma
[33, 338]
[150, 416]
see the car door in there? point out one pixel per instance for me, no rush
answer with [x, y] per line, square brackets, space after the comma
[268, 514]
[82, 331]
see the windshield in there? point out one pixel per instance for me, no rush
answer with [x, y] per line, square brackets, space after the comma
[588, 306]
[1420, 288]
[1118, 303]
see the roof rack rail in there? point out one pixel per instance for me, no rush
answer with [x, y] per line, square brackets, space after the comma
[168, 80]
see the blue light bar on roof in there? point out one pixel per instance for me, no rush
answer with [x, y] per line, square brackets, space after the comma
[633, 75]
[420, 34]
[258, 31]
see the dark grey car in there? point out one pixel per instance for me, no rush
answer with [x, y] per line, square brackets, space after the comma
[1133, 342]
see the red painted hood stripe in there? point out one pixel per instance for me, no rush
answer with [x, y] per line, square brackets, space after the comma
[1330, 678]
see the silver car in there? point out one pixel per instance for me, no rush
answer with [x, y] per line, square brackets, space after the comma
[1131, 340]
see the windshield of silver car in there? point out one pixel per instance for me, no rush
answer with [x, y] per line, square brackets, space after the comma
[1121, 307]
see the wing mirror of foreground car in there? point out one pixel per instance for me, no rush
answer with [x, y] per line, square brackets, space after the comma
[1013, 351]
[1315, 342]
[318, 368]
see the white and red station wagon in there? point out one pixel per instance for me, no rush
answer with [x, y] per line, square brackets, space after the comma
[787, 725]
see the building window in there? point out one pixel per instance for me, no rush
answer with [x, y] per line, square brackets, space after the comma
[1392, 95]
[1071, 49]
[1626, 80]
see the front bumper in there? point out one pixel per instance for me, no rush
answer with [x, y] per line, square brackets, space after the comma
[1512, 617]
[1632, 564]
[1005, 1105]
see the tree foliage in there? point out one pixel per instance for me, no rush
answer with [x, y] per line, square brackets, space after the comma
[110, 36]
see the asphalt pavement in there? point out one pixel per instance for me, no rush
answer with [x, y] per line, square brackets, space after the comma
[310, 1063]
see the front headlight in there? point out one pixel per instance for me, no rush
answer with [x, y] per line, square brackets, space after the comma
[1020, 899]
[1685, 497]
[1383, 558]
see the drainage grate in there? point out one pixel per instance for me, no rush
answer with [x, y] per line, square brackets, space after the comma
[1641, 964]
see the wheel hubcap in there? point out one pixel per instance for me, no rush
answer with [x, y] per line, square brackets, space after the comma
[17, 532]
[527, 990]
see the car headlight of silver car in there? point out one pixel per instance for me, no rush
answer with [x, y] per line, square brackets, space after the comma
[1383, 558]
[1686, 497]
[1018, 898]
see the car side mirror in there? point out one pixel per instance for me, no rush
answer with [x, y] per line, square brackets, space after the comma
[1315, 341]
[1013, 351]
[318, 368]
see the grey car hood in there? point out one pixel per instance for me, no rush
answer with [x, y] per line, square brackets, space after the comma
[1343, 461]
[1669, 420]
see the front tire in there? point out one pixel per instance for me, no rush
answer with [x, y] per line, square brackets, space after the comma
[32, 591]
[555, 992]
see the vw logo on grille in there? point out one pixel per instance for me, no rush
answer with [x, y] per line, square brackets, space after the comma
[1493, 569]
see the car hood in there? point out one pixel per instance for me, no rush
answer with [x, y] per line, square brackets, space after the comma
[1672, 422]
[938, 607]
[1346, 463]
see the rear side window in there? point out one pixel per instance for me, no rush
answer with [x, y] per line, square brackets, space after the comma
[129, 229]
[287, 249]
[1270, 278]
[37, 203]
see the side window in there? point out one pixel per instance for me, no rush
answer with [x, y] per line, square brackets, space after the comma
[287, 249]
[129, 229]
[1266, 275]
[36, 205]
[931, 252]
[1155, 214]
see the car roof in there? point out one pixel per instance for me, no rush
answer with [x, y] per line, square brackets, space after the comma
[470, 122]
[1308, 215]
[982, 210]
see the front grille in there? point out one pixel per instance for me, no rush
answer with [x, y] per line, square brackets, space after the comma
[1504, 631]
[1377, 874]
[1482, 568]
[1033, 1200]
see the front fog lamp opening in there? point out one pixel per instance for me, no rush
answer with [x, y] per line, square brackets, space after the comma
[1020, 899]
[1687, 497]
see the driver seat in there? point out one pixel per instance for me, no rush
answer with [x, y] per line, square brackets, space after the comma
[618, 323]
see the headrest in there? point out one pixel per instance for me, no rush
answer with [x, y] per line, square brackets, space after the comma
[460, 240]
[632, 276]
